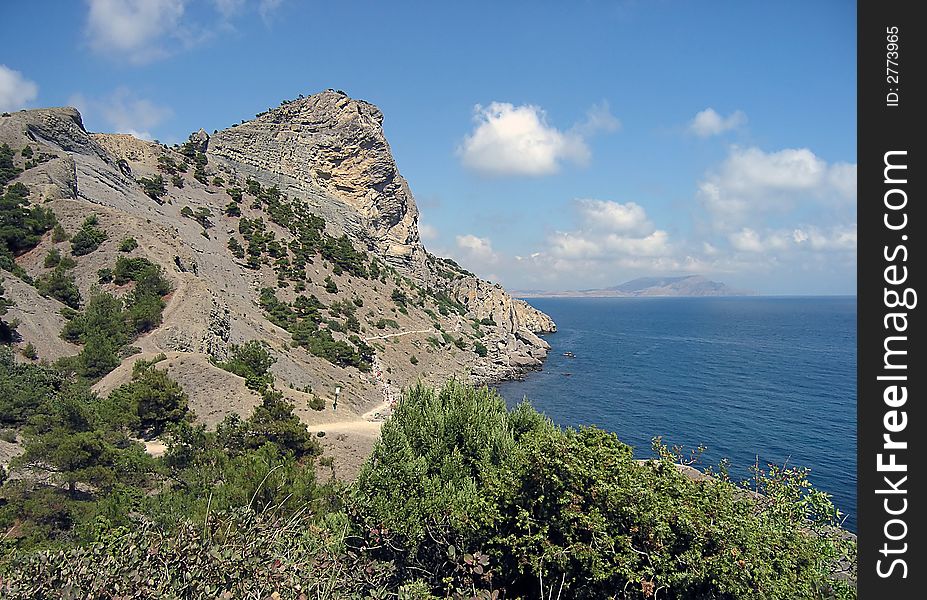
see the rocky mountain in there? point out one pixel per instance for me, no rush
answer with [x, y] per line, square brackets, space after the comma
[688, 285]
[295, 228]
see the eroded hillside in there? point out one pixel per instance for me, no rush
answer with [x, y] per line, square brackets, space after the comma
[295, 229]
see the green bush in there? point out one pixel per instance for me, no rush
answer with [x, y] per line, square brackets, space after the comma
[156, 400]
[21, 224]
[61, 286]
[8, 170]
[146, 275]
[242, 552]
[88, 238]
[7, 330]
[128, 244]
[24, 389]
[59, 234]
[251, 360]
[480, 349]
[52, 259]
[154, 187]
[273, 422]
[454, 472]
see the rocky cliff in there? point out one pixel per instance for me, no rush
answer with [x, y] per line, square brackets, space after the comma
[235, 226]
[329, 150]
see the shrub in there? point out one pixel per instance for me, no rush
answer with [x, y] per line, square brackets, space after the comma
[61, 286]
[24, 389]
[30, 352]
[145, 273]
[236, 248]
[8, 170]
[455, 472]
[156, 399]
[330, 286]
[316, 403]
[52, 259]
[103, 315]
[154, 187]
[480, 349]
[251, 360]
[88, 238]
[21, 224]
[59, 234]
[128, 244]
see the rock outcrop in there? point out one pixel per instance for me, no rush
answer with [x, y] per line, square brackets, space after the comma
[330, 150]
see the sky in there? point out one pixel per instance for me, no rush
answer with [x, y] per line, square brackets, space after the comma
[549, 145]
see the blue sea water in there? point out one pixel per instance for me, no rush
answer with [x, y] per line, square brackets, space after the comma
[767, 378]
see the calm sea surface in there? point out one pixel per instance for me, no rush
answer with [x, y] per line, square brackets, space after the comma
[773, 378]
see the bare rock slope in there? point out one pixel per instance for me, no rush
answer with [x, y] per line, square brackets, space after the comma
[218, 233]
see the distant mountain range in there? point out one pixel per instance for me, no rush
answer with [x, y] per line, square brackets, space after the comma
[687, 285]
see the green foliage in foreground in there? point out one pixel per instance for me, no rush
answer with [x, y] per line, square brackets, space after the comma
[461, 498]
[236, 554]
[455, 472]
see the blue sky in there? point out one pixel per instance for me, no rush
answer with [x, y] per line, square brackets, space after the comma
[548, 145]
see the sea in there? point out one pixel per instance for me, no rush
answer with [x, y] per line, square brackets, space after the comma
[768, 380]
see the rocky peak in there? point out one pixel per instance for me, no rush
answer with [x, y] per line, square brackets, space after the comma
[200, 140]
[330, 150]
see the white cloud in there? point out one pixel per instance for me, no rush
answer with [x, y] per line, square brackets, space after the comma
[517, 140]
[427, 232]
[15, 90]
[608, 230]
[598, 118]
[133, 29]
[622, 218]
[750, 182]
[783, 243]
[142, 31]
[476, 248]
[708, 122]
[122, 112]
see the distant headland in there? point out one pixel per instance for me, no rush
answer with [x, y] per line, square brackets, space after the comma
[682, 286]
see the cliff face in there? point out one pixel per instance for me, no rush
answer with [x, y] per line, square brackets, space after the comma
[326, 153]
[330, 150]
